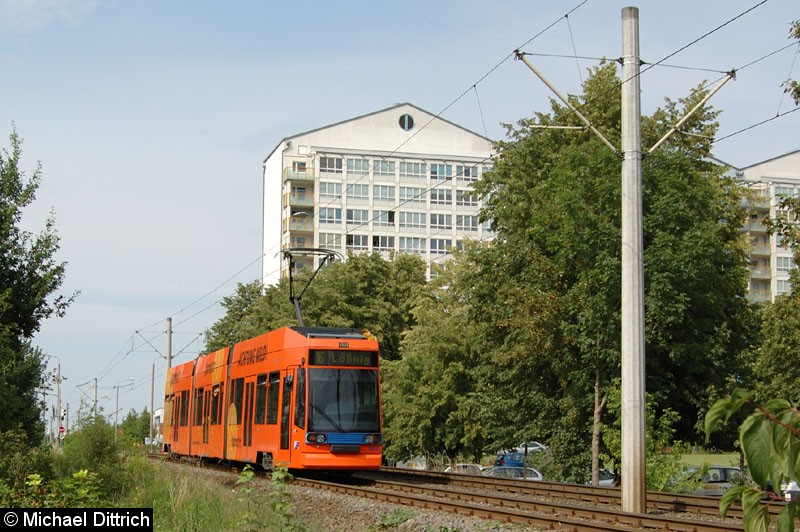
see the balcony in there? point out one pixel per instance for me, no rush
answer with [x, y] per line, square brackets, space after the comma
[762, 274]
[757, 296]
[761, 250]
[299, 200]
[298, 223]
[758, 203]
[755, 227]
[298, 174]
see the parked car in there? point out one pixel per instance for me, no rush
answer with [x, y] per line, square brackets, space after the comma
[510, 459]
[533, 447]
[466, 469]
[716, 480]
[513, 472]
[606, 478]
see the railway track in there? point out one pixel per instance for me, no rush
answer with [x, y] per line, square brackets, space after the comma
[657, 502]
[546, 504]
[543, 504]
[521, 510]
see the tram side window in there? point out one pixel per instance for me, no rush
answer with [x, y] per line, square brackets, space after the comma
[300, 400]
[183, 417]
[237, 399]
[272, 398]
[216, 398]
[198, 406]
[261, 399]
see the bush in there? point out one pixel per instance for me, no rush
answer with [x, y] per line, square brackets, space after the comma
[18, 459]
[93, 448]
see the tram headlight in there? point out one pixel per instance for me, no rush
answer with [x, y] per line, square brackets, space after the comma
[372, 438]
[316, 438]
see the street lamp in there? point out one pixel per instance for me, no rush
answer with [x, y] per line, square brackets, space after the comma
[116, 411]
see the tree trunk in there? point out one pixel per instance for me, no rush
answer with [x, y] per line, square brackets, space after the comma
[599, 405]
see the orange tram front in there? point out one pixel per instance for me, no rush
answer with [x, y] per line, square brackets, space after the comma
[296, 397]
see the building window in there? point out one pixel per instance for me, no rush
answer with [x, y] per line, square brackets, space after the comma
[357, 167]
[412, 195]
[332, 241]
[440, 246]
[441, 172]
[330, 165]
[467, 222]
[784, 191]
[357, 242]
[357, 191]
[329, 215]
[466, 198]
[383, 193]
[412, 245]
[298, 241]
[441, 221]
[383, 219]
[413, 170]
[382, 243]
[383, 168]
[406, 122]
[412, 219]
[330, 190]
[466, 174]
[784, 287]
[357, 216]
[441, 196]
[785, 264]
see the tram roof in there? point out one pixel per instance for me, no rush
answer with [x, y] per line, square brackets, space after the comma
[331, 332]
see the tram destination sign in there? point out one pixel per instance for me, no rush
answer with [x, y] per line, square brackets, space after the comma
[329, 357]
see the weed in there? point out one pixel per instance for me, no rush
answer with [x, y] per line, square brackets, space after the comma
[386, 522]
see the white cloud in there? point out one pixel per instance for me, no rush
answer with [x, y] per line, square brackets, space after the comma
[22, 17]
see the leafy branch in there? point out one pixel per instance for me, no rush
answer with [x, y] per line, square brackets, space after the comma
[770, 440]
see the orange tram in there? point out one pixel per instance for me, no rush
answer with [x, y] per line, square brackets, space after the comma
[296, 397]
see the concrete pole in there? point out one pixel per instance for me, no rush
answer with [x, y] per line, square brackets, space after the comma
[152, 392]
[94, 407]
[116, 414]
[58, 396]
[169, 343]
[634, 494]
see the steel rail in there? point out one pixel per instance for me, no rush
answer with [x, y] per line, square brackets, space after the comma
[516, 510]
[656, 500]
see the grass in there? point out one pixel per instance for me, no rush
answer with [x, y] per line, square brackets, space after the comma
[721, 459]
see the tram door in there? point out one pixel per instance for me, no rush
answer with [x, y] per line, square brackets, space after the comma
[176, 410]
[286, 409]
[249, 396]
[206, 413]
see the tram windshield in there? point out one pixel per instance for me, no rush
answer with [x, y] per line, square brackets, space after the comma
[343, 400]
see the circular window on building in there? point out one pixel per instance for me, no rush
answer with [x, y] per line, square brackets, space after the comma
[406, 122]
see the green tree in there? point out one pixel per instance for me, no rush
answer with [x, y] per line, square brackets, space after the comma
[29, 278]
[554, 198]
[434, 405]
[250, 311]
[136, 427]
[366, 291]
[777, 360]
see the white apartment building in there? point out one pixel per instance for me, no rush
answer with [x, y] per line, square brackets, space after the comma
[395, 180]
[770, 262]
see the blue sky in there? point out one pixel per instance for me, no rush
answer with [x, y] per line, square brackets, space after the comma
[151, 121]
